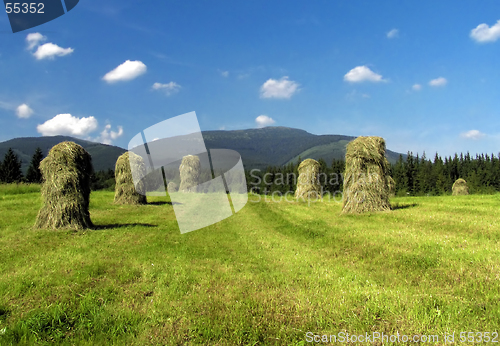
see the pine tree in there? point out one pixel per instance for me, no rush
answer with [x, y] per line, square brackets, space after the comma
[11, 168]
[34, 175]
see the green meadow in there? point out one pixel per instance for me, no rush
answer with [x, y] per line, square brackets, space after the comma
[265, 276]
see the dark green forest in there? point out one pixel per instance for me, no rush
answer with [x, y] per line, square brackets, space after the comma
[413, 175]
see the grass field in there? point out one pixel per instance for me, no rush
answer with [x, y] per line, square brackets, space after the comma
[265, 276]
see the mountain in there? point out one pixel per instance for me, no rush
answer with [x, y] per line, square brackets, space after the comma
[103, 156]
[259, 148]
[277, 145]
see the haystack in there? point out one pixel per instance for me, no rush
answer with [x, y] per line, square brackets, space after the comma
[308, 185]
[125, 190]
[460, 187]
[190, 170]
[172, 187]
[65, 191]
[367, 184]
[392, 186]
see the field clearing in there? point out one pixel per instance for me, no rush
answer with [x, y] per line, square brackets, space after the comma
[265, 276]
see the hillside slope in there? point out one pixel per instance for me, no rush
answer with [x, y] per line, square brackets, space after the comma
[259, 148]
[103, 156]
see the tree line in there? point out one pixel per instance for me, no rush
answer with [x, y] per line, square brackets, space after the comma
[412, 175]
[415, 176]
[11, 172]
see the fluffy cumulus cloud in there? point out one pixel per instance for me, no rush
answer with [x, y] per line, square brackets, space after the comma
[279, 88]
[362, 74]
[264, 120]
[47, 50]
[34, 40]
[393, 33]
[24, 111]
[416, 87]
[66, 124]
[485, 33]
[168, 88]
[50, 51]
[472, 134]
[438, 82]
[108, 136]
[127, 71]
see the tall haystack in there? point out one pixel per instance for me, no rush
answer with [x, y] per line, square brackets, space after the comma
[367, 184]
[172, 187]
[190, 170]
[392, 186]
[308, 185]
[65, 191]
[125, 190]
[460, 187]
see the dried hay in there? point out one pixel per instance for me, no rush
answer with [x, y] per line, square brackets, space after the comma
[308, 185]
[66, 172]
[172, 187]
[460, 188]
[125, 190]
[367, 184]
[190, 170]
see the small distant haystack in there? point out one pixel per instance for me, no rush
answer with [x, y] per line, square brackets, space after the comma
[172, 187]
[367, 184]
[125, 190]
[460, 188]
[65, 191]
[190, 170]
[308, 185]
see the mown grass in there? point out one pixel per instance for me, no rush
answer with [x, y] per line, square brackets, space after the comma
[265, 276]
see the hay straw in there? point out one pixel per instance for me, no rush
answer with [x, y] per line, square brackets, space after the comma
[190, 170]
[367, 184]
[125, 190]
[460, 188]
[172, 187]
[308, 185]
[66, 172]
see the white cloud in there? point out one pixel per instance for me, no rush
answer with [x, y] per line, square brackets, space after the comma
[50, 50]
[34, 39]
[125, 72]
[280, 89]
[264, 120]
[362, 74]
[224, 73]
[108, 136]
[416, 87]
[169, 88]
[472, 134]
[441, 81]
[24, 111]
[484, 33]
[393, 33]
[66, 124]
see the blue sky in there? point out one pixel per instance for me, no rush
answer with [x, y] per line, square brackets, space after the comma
[424, 75]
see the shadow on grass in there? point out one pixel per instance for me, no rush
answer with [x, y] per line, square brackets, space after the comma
[163, 203]
[403, 206]
[159, 203]
[122, 225]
